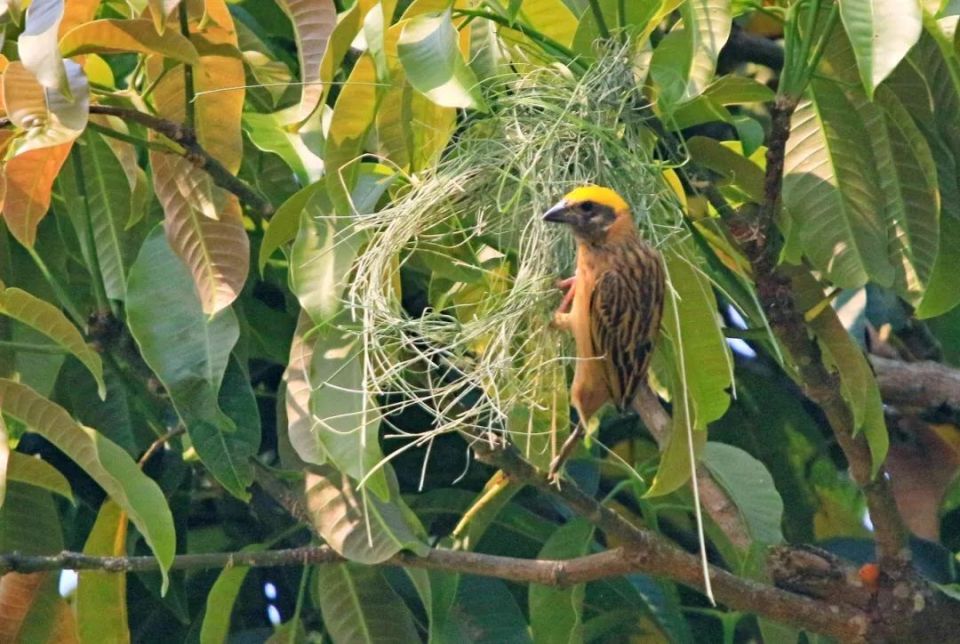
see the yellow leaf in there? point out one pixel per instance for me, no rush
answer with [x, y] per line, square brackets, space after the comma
[29, 179]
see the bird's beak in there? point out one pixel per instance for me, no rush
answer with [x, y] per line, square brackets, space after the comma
[558, 214]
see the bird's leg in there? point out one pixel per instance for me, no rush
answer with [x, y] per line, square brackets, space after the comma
[562, 314]
[565, 450]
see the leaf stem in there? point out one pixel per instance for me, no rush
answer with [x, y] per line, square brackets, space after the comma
[601, 22]
[59, 292]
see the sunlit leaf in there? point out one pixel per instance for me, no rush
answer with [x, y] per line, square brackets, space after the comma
[831, 195]
[50, 321]
[101, 602]
[160, 10]
[430, 53]
[285, 222]
[313, 24]
[707, 24]
[37, 45]
[46, 116]
[104, 461]
[269, 133]
[77, 12]
[552, 18]
[114, 36]
[881, 32]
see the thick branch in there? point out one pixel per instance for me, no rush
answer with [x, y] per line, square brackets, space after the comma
[193, 152]
[743, 46]
[714, 499]
[650, 553]
[918, 386]
[753, 231]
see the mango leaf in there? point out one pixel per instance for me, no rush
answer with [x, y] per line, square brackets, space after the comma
[676, 466]
[204, 226]
[29, 182]
[160, 10]
[269, 133]
[750, 486]
[38, 473]
[359, 606]
[552, 18]
[831, 195]
[218, 84]
[339, 43]
[220, 601]
[46, 117]
[693, 329]
[37, 45]
[344, 421]
[358, 525]
[104, 461]
[50, 321]
[163, 310]
[430, 54]
[283, 226]
[843, 355]
[77, 12]
[908, 178]
[707, 25]
[111, 36]
[101, 602]
[881, 32]
[98, 195]
[322, 256]
[735, 169]
[313, 24]
[556, 614]
[738, 90]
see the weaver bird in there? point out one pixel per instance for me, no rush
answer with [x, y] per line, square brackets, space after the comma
[613, 305]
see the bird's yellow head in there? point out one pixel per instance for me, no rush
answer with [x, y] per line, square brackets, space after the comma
[593, 213]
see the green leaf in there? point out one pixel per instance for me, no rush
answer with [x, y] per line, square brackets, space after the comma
[322, 256]
[285, 222]
[750, 486]
[843, 355]
[5, 461]
[38, 473]
[908, 178]
[269, 132]
[164, 311]
[430, 53]
[220, 601]
[119, 36]
[693, 328]
[104, 461]
[707, 25]
[556, 614]
[486, 612]
[101, 602]
[738, 90]
[881, 32]
[356, 524]
[48, 320]
[735, 169]
[359, 607]
[831, 194]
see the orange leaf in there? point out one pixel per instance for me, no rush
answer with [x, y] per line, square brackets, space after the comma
[111, 36]
[77, 12]
[28, 602]
[29, 179]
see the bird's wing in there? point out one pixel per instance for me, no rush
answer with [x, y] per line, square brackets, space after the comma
[624, 318]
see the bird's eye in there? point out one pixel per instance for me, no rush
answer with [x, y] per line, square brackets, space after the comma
[586, 206]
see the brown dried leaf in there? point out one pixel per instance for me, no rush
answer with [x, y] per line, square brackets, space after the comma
[204, 226]
[313, 22]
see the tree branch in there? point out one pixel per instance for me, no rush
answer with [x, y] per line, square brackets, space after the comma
[918, 387]
[650, 553]
[714, 499]
[742, 46]
[753, 231]
[186, 138]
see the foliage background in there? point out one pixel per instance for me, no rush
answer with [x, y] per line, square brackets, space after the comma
[254, 249]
